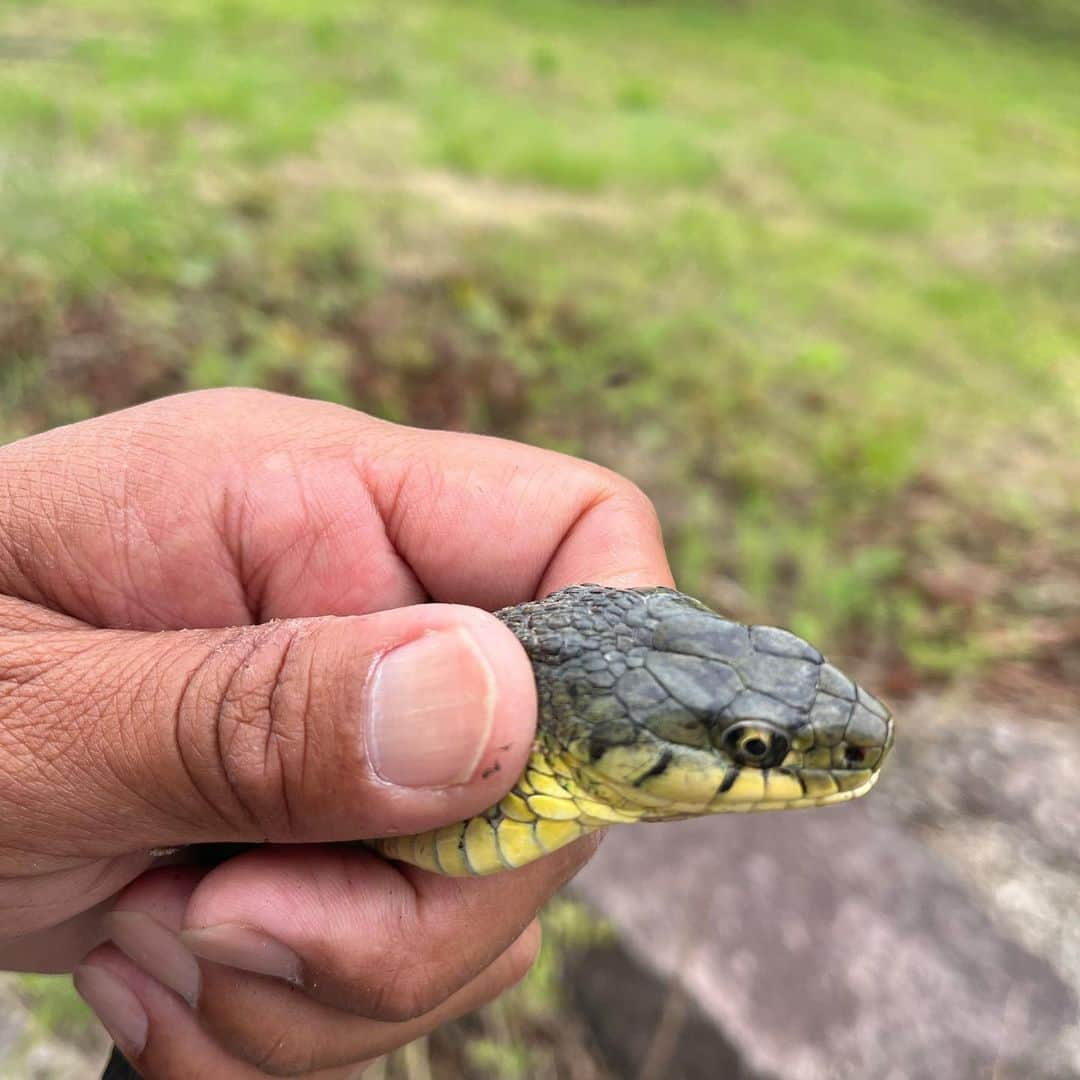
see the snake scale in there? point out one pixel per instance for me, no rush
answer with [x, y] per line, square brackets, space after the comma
[652, 707]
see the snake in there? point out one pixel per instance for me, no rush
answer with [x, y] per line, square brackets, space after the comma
[653, 707]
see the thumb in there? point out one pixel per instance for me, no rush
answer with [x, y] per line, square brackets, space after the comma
[300, 730]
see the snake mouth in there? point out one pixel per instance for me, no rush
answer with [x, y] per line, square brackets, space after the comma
[658, 782]
[791, 789]
[852, 784]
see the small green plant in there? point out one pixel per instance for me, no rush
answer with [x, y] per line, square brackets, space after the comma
[637, 95]
[55, 1007]
[544, 61]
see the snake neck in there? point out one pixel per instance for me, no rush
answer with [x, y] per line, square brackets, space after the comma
[566, 777]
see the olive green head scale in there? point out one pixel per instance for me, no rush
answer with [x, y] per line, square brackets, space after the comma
[652, 707]
[658, 708]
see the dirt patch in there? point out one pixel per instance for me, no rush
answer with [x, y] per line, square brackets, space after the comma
[994, 247]
[373, 150]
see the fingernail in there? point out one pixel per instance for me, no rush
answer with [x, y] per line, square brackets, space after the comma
[115, 1006]
[157, 950]
[430, 709]
[241, 947]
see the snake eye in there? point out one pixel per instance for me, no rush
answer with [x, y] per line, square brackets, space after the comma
[755, 744]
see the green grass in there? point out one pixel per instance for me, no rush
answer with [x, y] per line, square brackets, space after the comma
[56, 1007]
[809, 275]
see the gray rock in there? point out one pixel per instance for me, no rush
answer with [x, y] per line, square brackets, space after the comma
[972, 761]
[996, 794]
[828, 944]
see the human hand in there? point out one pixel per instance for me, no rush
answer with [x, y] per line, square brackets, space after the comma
[213, 627]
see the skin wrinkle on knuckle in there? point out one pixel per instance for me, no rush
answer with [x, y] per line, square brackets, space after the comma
[243, 1033]
[283, 1058]
[418, 484]
[285, 703]
[196, 723]
[409, 985]
[238, 710]
[623, 496]
[301, 532]
[419, 986]
[642, 505]
[275, 1050]
[601, 491]
[234, 518]
[260, 726]
[141, 701]
[314, 528]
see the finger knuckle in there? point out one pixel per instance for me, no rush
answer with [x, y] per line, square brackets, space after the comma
[287, 1057]
[225, 399]
[275, 1053]
[603, 486]
[258, 725]
[243, 1020]
[626, 493]
[412, 992]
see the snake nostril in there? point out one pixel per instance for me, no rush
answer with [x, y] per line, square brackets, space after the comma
[854, 755]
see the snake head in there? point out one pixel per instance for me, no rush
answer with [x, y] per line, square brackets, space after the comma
[667, 709]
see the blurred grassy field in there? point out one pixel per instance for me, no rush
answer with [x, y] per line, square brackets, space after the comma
[809, 274]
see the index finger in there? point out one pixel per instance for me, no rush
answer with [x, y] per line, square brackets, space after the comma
[279, 507]
[489, 522]
[353, 514]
